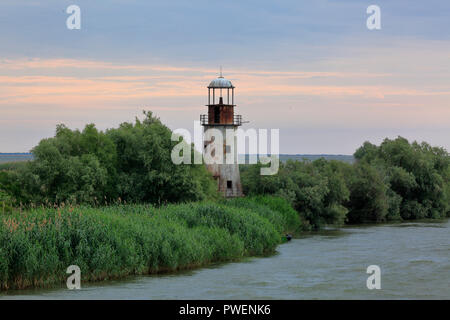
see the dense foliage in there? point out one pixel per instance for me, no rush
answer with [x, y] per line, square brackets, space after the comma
[5, 202]
[417, 175]
[396, 180]
[132, 162]
[106, 242]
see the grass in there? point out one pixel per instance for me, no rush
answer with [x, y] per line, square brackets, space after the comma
[36, 246]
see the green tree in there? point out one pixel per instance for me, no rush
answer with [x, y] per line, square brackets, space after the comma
[368, 195]
[132, 162]
[317, 190]
[418, 173]
[145, 169]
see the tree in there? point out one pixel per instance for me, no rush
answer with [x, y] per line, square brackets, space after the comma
[417, 173]
[368, 195]
[131, 162]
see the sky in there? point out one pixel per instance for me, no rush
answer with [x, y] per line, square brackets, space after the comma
[311, 69]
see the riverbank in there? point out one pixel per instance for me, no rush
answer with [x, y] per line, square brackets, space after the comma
[37, 246]
[327, 264]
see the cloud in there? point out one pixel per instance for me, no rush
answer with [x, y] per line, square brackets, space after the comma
[401, 90]
[126, 83]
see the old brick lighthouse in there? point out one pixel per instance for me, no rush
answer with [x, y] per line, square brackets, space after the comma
[223, 152]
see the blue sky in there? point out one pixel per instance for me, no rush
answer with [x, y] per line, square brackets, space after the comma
[310, 68]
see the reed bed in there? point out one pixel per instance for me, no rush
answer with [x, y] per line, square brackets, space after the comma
[38, 244]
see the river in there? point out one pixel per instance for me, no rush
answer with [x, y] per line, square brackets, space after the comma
[414, 259]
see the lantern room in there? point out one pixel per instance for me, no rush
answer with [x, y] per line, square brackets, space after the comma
[221, 104]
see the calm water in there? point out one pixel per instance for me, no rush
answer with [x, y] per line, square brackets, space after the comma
[414, 259]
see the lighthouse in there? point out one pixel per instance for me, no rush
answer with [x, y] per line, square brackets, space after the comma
[223, 123]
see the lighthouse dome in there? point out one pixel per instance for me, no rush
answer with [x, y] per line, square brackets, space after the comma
[220, 82]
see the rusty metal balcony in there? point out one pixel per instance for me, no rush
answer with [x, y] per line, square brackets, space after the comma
[205, 121]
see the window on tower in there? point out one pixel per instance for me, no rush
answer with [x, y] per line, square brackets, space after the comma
[229, 184]
[216, 114]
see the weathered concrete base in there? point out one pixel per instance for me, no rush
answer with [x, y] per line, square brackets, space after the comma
[228, 179]
[227, 175]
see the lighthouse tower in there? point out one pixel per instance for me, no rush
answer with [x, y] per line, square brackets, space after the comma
[221, 117]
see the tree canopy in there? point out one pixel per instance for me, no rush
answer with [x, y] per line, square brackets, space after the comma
[396, 180]
[131, 163]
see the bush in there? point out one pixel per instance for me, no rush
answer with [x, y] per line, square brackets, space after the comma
[317, 190]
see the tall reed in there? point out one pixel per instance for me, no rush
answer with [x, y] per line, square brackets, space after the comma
[38, 244]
